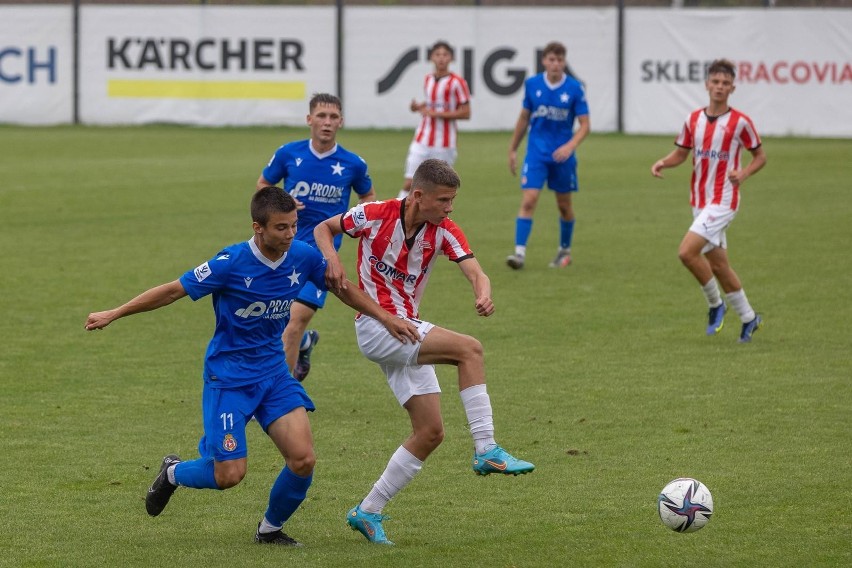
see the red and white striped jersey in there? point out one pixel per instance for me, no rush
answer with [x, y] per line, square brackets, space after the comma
[716, 146]
[442, 94]
[394, 271]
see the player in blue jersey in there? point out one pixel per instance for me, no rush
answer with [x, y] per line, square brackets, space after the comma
[253, 285]
[320, 174]
[553, 100]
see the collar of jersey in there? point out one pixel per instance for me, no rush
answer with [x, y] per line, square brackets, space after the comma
[324, 154]
[259, 256]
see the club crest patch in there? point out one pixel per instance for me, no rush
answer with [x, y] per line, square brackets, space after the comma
[229, 444]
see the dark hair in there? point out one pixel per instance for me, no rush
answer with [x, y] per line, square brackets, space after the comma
[722, 66]
[324, 99]
[268, 200]
[432, 173]
[554, 47]
[439, 44]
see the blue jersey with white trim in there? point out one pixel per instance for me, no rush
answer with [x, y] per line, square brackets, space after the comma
[553, 109]
[251, 300]
[323, 182]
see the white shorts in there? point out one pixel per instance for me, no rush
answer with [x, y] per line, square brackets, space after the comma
[711, 223]
[398, 360]
[417, 153]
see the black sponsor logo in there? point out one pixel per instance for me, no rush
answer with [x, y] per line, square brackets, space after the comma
[205, 54]
[499, 79]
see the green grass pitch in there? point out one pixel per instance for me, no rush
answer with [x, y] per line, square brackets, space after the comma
[600, 374]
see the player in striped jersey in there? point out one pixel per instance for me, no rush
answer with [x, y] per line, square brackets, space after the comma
[716, 135]
[253, 286]
[447, 100]
[399, 242]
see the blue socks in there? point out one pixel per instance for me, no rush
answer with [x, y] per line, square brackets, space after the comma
[288, 492]
[197, 474]
[523, 228]
[566, 233]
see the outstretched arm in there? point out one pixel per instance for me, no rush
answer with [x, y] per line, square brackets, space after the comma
[481, 286]
[156, 297]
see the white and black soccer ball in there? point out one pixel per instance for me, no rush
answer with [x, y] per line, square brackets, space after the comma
[685, 505]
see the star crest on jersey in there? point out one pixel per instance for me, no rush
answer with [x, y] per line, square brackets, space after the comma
[298, 162]
[294, 278]
[538, 93]
[337, 169]
[563, 97]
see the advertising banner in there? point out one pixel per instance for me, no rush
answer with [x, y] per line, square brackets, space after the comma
[496, 49]
[253, 65]
[204, 65]
[36, 64]
[794, 68]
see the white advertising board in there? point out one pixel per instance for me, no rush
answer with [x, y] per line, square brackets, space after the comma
[204, 65]
[794, 68]
[242, 65]
[496, 49]
[36, 64]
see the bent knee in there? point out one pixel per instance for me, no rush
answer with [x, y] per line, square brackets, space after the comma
[472, 347]
[229, 477]
[686, 255]
[432, 436]
[302, 465]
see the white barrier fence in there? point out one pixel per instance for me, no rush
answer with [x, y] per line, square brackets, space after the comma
[242, 65]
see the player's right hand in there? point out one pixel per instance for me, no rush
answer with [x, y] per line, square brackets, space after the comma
[99, 320]
[402, 329]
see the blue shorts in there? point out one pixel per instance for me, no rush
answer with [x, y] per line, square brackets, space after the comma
[311, 296]
[227, 410]
[560, 177]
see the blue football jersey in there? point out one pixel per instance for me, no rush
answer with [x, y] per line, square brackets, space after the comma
[323, 182]
[552, 113]
[251, 300]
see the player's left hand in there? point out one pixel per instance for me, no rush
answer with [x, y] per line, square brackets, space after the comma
[737, 176]
[335, 275]
[484, 306]
[563, 153]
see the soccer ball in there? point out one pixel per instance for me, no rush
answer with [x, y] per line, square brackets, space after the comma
[685, 504]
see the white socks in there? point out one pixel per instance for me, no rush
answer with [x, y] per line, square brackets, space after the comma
[266, 528]
[711, 292]
[739, 302]
[477, 406]
[401, 469]
[403, 465]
